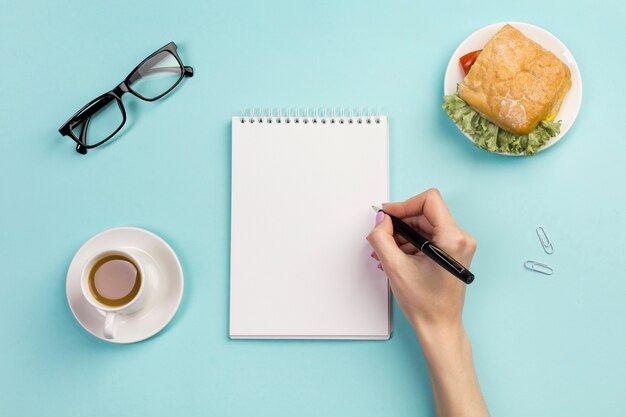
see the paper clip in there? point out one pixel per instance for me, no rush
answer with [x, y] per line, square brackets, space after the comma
[545, 241]
[538, 267]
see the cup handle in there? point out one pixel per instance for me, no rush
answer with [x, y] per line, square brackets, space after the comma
[110, 325]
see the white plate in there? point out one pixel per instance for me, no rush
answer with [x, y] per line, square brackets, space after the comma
[477, 40]
[157, 258]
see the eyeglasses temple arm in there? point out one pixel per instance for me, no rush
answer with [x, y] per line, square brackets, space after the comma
[137, 75]
[80, 148]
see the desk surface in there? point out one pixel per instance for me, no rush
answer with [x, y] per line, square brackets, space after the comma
[543, 346]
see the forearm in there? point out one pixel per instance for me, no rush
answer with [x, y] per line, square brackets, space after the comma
[448, 354]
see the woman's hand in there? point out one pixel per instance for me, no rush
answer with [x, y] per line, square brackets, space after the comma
[430, 297]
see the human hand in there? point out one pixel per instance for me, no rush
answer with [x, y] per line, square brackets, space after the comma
[430, 297]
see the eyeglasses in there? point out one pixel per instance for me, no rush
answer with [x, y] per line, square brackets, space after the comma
[101, 118]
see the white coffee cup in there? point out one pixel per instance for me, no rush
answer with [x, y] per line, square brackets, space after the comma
[111, 313]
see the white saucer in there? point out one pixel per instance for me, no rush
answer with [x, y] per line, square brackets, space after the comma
[157, 258]
[477, 40]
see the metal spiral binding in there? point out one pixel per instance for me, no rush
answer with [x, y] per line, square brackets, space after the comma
[307, 115]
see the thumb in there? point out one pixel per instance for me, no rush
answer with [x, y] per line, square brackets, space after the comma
[381, 239]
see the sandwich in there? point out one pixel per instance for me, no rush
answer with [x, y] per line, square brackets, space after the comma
[511, 94]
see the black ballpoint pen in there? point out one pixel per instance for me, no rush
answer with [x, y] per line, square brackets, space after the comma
[429, 249]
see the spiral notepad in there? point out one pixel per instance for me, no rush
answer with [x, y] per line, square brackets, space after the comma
[302, 189]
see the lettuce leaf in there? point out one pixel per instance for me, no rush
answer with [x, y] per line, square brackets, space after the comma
[488, 136]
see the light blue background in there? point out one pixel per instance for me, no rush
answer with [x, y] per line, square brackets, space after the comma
[542, 346]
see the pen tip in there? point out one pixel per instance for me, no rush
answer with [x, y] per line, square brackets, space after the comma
[376, 209]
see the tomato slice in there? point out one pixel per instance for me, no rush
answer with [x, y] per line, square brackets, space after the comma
[468, 60]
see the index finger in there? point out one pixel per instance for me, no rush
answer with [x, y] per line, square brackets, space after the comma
[429, 203]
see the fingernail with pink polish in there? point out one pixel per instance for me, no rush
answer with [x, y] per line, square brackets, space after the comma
[380, 216]
[373, 254]
[380, 267]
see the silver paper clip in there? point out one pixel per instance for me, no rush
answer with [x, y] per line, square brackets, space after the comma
[545, 241]
[538, 267]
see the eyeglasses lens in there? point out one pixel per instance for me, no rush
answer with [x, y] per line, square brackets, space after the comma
[99, 121]
[157, 75]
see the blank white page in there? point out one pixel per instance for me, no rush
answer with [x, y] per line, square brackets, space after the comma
[300, 212]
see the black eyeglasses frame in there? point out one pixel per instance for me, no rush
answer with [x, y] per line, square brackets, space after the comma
[116, 94]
